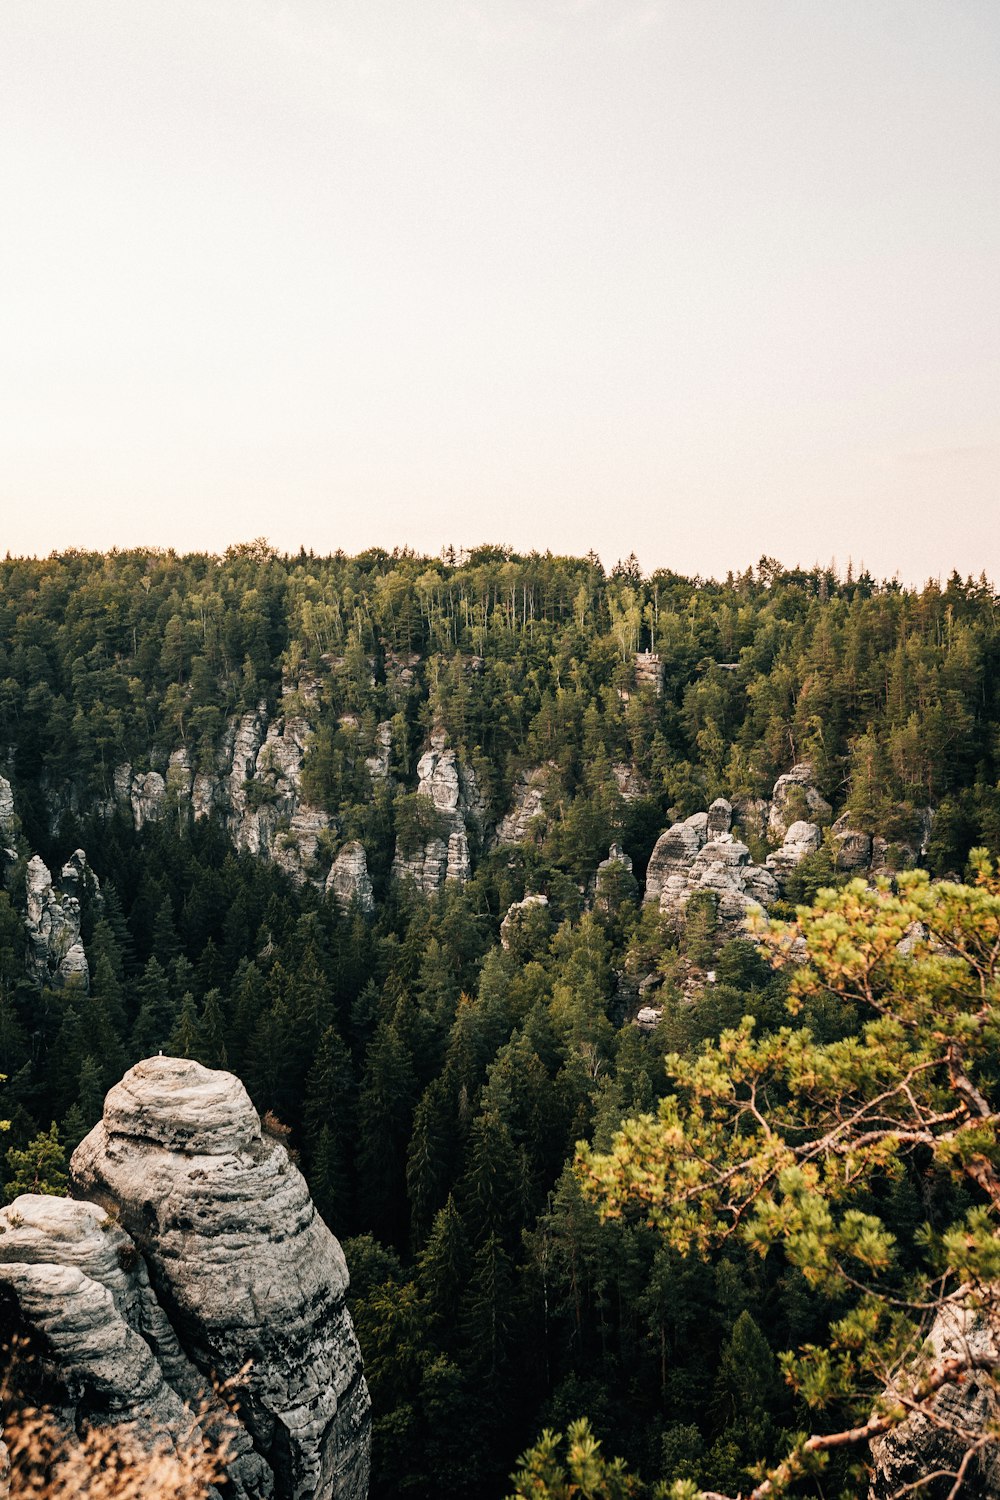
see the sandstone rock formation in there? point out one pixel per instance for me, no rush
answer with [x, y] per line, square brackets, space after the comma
[922, 1446]
[649, 671]
[693, 856]
[240, 1263]
[517, 914]
[9, 828]
[8, 818]
[527, 806]
[71, 1277]
[751, 813]
[801, 840]
[147, 794]
[852, 848]
[630, 781]
[452, 788]
[426, 866]
[349, 881]
[255, 786]
[379, 763]
[719, 819]
[793, 797]
[56, 955]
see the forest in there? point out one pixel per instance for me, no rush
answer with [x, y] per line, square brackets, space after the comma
[433, 1077]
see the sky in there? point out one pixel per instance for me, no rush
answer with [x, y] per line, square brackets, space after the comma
[698, 280]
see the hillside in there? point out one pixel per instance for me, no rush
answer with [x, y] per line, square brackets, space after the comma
[408, 844]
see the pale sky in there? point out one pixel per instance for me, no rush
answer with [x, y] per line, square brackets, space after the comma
[700, 280]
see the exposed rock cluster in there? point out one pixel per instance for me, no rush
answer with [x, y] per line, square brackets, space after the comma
[255, 785]
[349, 881]
[630, 781]
[794, 796]
[801, 840]
[700, 854]
[109, 1354]
[527, 807]
[9, 826]
[451, 787]
[379, 763]
[649, 671]
[921, 1445]
[205, 1255]
[56, 954]
[8, 819]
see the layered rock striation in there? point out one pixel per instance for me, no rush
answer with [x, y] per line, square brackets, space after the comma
[197, 1253]
[700, 855]
[959, 1414]
[239, 1256]
[104, 1351]
[56, 955]
[452, 789]
[349, 882]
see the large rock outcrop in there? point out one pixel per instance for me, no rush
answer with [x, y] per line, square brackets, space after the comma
[795, 799]
[8, 818]
[56, 955]
[527, 810]
[700, 854]
[104, 1352]
[453, 790]
[921, 1445]
[254, 786]
[801, 840]
[348, 881]
[240, 1263]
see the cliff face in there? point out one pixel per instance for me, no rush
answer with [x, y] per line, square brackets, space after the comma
[55, 950]
[197, 1251]
[959, 1415]
[451, 787]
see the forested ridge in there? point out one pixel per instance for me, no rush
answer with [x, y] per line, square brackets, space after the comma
[434, 1080]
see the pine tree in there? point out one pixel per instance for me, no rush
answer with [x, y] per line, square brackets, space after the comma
[185, 1036]
[39, 1168]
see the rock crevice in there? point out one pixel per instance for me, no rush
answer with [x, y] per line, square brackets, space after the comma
[197, 1252]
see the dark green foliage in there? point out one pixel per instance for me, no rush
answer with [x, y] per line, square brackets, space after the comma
[434, 1084]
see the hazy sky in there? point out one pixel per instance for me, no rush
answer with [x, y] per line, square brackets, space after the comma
[703, 280]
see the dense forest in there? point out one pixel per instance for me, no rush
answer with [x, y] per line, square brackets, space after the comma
[433, 1079]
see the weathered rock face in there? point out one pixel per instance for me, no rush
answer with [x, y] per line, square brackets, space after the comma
[147, 795]
[794, 797]
[691, 858]
[451, 786]
[379, 763]
[751, 813]
[630, 782]
[527, 806]
[720, 818]
[649, 671]
[530, 909]
[801, 840]
[919, 1447]
[8, 818]
[427, 866]
[255, 786]
[672, 854]
[108, 1354]
[349, 881]
[55, 951]
[852, 849]
[241, 1263]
